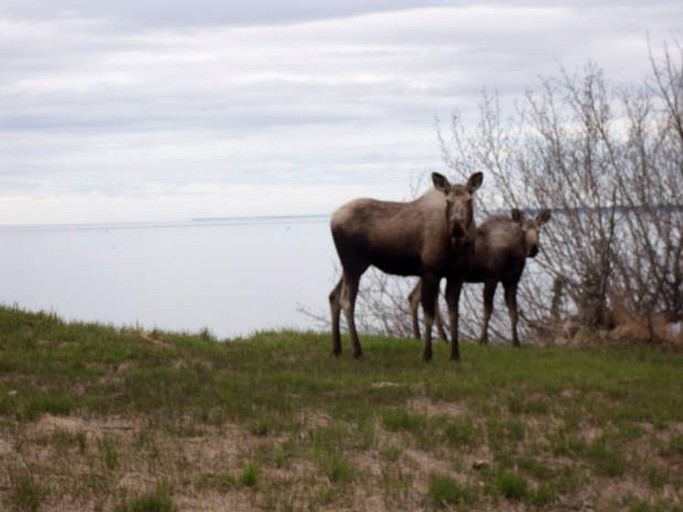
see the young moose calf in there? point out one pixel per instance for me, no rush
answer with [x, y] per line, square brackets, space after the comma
[501, 247]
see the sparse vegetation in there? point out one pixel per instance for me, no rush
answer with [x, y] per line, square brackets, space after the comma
[100, 418]
[157, 501]
[446, 492]
[512, 486]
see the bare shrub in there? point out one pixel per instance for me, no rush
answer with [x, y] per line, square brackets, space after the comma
[610, 166]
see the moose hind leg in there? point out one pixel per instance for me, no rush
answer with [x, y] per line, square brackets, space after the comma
[335, 310]
[489, 293]
[414, 304]
[430, 290]
[348, 301]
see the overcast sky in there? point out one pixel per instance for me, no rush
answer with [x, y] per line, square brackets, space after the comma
[158, 110]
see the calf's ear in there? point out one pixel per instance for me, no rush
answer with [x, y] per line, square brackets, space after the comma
[543, 217]
[441, 182]
[475, 181]
[517, 215]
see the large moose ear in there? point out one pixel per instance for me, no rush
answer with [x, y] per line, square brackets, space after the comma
[517, 215]
[441, 183]
[475, 181]
[543, 217]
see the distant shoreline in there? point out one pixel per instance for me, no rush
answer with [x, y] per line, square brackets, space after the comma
[296, 218]
[193, 222]
[259, 218]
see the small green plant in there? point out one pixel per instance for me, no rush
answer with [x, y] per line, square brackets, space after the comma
[460, 432]
[607, 459]
[511, 485]
[445, 492]
[339, 470]
[283, 455]
[545, 495]
[109, 453]
[261, 426]
[396, 420]
[206, 335]
[250, 475]
[158, 501]
[568, 445]
[27, 494]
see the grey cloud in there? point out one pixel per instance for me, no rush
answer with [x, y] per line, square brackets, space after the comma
[208, 12]
[230, 12]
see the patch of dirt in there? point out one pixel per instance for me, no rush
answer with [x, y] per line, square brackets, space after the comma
[427, 463]
[148, 338]
[311, 420]
[424, 405]
[95, 426]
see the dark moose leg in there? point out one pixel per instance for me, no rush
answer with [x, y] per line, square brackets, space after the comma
[489, 293]
[414, 305]
[430, 290]
[511, 301]
[348, 300]
[453, 288]
[335, 309]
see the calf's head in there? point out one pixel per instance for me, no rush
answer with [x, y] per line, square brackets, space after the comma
[531, 229]
[459, 203]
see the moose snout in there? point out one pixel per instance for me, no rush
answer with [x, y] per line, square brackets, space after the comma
[457, 230]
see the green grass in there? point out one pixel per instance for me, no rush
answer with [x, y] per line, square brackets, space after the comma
[157, 501]
[512, 486]
[445, 492]
[250, 475]
[101, 414]
[27, 494]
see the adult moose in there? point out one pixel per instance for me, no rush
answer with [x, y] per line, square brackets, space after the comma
[501, 247]
[431, 237]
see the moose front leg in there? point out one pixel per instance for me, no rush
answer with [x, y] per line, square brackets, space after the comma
[511, 301]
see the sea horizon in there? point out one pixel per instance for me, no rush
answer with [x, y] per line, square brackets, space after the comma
[188, 222]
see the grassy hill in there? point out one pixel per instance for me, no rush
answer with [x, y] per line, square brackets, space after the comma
[101, 418]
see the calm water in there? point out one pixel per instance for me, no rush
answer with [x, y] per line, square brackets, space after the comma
[230, 276]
